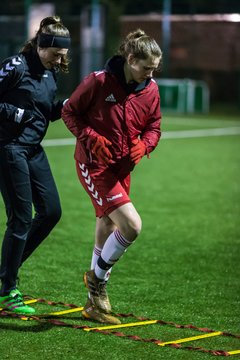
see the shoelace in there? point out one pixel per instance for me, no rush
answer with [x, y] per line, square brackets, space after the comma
[102, 288]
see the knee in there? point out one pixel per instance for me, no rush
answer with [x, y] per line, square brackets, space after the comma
[136, 227]
[51, 214]
[132, 229]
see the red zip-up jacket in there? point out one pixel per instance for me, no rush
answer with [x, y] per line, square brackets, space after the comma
[101, 105]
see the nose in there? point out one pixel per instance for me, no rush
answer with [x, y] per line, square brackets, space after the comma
[58, 60]
[149, 73]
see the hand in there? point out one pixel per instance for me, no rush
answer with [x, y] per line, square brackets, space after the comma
[137, 150]
[101, 151]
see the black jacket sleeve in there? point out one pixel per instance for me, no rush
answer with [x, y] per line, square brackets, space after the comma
[11, 72]
[56, 110]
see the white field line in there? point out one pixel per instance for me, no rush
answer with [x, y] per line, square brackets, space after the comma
[182, 134]
[59, 142]
[217, 123]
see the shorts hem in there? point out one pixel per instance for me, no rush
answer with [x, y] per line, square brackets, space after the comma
[114, 207]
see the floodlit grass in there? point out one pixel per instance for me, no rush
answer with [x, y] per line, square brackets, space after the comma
[184, 267]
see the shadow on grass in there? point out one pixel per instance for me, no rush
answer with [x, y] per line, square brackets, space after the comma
[22, 325]
[39, 327]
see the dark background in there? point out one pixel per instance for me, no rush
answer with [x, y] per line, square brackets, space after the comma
[72, 7]
[220, 43]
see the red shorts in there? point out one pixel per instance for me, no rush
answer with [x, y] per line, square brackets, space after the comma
[106, 191]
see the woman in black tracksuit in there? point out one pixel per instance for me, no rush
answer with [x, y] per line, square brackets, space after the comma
[27, 104]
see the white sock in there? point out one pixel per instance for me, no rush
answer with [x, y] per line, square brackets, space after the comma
[113, 249]
[95, 256]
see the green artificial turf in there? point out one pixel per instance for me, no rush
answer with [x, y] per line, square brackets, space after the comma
[183, 268]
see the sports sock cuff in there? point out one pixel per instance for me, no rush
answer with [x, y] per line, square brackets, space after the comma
[121, 239]
[97, 251]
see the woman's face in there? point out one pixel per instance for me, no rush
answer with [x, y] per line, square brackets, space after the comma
[51, 57]
[140, 69]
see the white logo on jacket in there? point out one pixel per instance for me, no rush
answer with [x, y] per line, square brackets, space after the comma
[5, 70]
[110, 98]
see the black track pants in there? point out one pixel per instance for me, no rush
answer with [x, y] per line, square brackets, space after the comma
[25, 180]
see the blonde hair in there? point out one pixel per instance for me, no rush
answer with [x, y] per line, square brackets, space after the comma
[50, 25]
[140, 45]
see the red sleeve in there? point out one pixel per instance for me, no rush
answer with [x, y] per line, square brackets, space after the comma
[152, 133]
[74, 112]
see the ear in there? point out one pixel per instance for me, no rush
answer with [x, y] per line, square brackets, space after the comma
[131, 59]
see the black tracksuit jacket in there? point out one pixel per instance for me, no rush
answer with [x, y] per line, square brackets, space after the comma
[26, 84]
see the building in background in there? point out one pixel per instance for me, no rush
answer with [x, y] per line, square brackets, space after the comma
[201, 47]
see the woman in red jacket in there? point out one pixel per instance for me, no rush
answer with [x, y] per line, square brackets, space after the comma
[115, 116]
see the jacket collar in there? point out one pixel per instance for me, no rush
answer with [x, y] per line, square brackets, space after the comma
[34, 63]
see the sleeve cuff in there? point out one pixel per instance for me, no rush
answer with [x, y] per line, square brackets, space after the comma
[18, 115]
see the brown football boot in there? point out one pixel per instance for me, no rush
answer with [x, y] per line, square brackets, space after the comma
[97, 290]
[91, 312]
